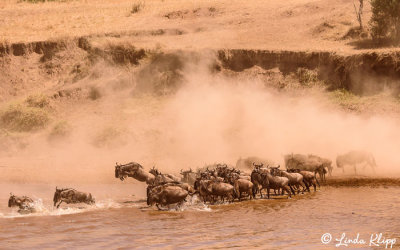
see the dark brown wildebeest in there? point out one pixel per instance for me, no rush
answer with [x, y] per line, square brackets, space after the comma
[258, 179]
[162, 178]
[208, 190]
[166, 195]
[134, 170]
[70, 195]
[353, 158]
[24, 203]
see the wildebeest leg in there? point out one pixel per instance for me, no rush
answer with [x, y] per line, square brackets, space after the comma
[316, 180]
[304, 188]
[291, 189]
[314, 184]
[307, 185]
[159, 208]
[268, 192]
[59, 203]
[287, 190]
[254, 190]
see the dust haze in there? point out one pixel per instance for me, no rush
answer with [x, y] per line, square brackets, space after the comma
[210, 118]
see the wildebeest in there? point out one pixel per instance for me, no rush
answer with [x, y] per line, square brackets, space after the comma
[241, 186]
[70, 195]
[208, 190]
[188, 176]
[162, 178]
[295, 179]
[24, 203]
[166, 194]
[353, 158]
[259, 179]
[326, 164]
[134, 170]
[310, 163]
[309, 178]
[247, 163]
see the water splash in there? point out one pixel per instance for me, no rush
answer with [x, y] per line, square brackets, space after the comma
[41, 209]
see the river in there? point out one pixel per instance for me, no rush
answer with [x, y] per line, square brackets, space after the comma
[120, 220]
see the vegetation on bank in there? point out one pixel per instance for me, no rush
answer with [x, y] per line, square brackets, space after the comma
[59, 130]
[385, 20]
[29, 115]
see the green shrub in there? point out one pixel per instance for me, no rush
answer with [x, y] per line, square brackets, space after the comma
[18, 117]
[385, 20]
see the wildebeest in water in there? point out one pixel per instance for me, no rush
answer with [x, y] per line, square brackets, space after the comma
[134, 170]
[24, 203]
[166, 194]
[70, 195]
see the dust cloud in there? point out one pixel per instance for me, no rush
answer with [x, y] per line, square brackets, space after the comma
[210, 118]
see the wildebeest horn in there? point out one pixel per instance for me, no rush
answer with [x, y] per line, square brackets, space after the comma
[116, 163]
[278, 166]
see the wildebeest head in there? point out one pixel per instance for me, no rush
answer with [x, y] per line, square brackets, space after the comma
[275, 171]
[118, 171]
[57, 196]
[153, 195]
[257, 166]
[12, 201]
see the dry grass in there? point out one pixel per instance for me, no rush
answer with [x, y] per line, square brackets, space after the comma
[42, 1]
[59, 130]
[38, 101]
[306, 77]
[21, 118]
[259, 24]
[137, 6]
[108, 137]
[94, 93]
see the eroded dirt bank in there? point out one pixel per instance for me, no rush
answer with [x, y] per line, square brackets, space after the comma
[72, 108]
[362, 73]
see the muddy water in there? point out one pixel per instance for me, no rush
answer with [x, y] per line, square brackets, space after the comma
[122, 220]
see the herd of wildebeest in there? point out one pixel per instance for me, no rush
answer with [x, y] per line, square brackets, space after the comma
[220, 182]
